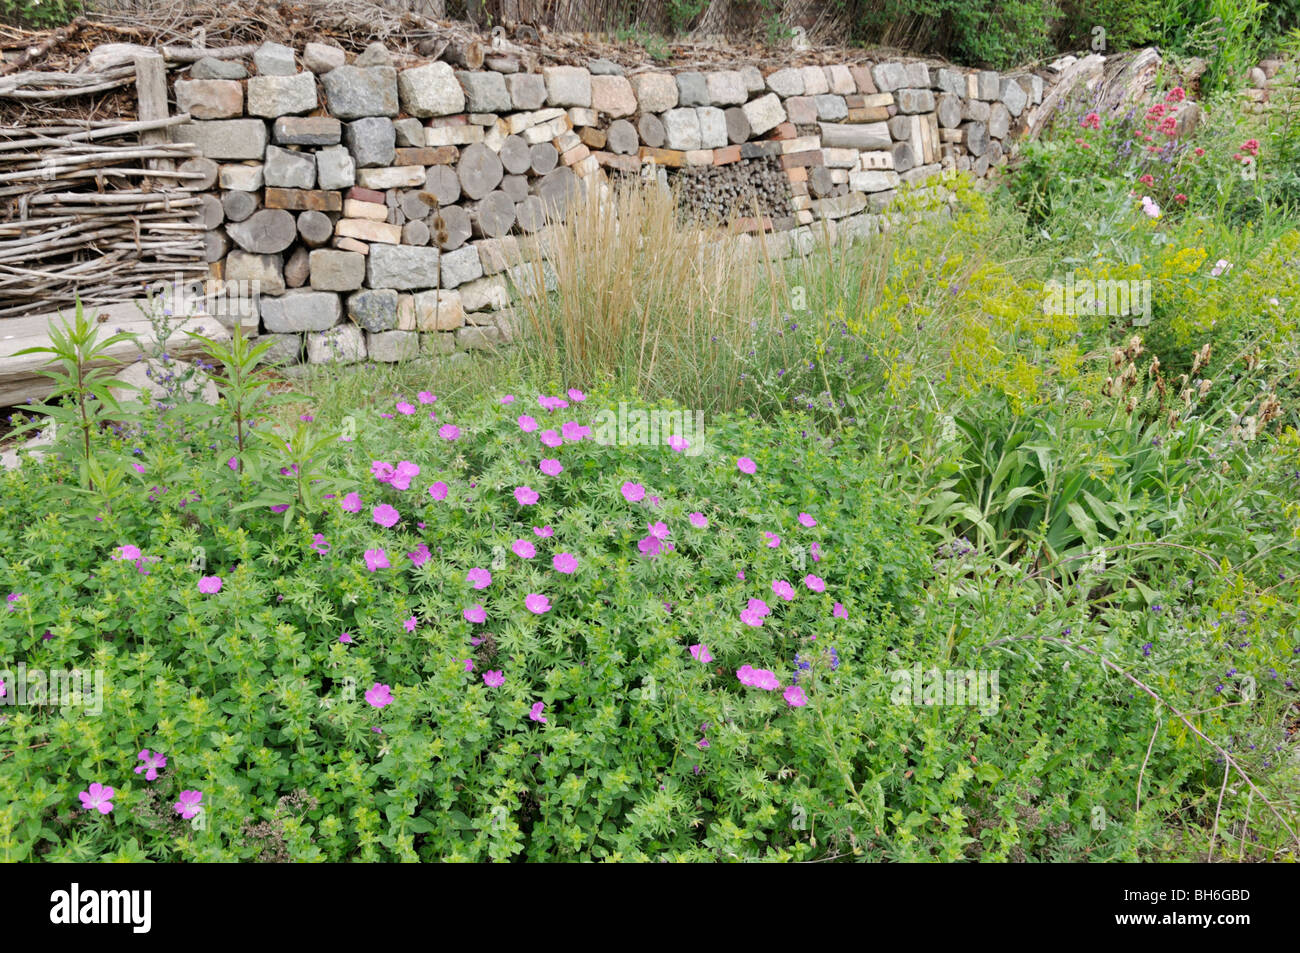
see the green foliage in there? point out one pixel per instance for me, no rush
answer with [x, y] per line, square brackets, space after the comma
[39, 14]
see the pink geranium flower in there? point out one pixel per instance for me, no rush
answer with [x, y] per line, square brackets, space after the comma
[190, 804]
[678, 443]
[537, 603]
[425, 397]
[479, 578]
[420, 555]
[566, 563]
[526, 495]
[97, 797]
[545, 532]
[773, 540]
[346, 638]
[410, 624]
[795, 697]
[210, 585]
[449, 432]
[475, 614]
[385, 515]
[701, 653]
[551, 438]
[839, 611]
[469, 665]
[659, 530]
[527, 424]
[783, 589]
[404, 408]
[379, 695]
[508, 399]
[376, 559]
[633, 492]
[806, 520]
[438, 491]
[351, 503]
[551, 467]
[535, 713]
[523, 549]
[699, 520]
[746, 465]
[153, 763]
[815, 583]
[494, 678]
[402, 475]
[576, 395]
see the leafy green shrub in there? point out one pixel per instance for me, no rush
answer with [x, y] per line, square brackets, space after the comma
[247, 690]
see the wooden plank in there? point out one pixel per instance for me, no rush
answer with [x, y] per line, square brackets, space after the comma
[151, 91]
[19, 377]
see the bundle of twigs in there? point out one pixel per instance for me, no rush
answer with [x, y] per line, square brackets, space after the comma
[90, 210]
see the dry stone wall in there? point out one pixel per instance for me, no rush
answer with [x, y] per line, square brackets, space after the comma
[384, 212]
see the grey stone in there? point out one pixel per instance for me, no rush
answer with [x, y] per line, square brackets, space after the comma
[306, 131]
[485, 92]
[272, 96]
[356, 92]
[987, 85]
[567, 86]
[210, 98]
[460, 266]
[604, 67]
[889, 76]
[266, 270]
[376, 54]
[322, 57]
[339, 345]
[692, 89]
[430, 90]
[655, 92]
[336, 270]
[241, 178]
[410, 133]
[950, 81]
[335, 168]
[682, 129]
[527, 91]
[473, 338]
[212, 68]
[999, 121]
[300, 310]
[912, 101]
[285, 348]
[404, 267]
[274, 59]
[900, 127]
[786, 82]
[390, 347]
[752, 77]
[1013, 96]
[374, 309]
[916, 75]
[371, 141]
[831, 108]
[289, 170]
[764, 113]
[713, 127]
[621, 138]
[726, 88]
[226, 138]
